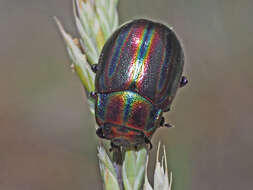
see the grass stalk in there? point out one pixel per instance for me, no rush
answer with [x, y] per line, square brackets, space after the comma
[96, 20]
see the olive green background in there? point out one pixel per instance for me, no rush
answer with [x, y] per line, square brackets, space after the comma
[47, 139]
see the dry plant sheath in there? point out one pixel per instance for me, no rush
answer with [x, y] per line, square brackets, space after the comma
[126, 169]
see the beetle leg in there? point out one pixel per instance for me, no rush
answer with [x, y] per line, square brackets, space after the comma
[100, 133]
[94, 67]
[166, 110]
[147, 141]
[114, 147]
[183, 81]
[168, 125]
[163, 124]
[93, 94]
[162, 121]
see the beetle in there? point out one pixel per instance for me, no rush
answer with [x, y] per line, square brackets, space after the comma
[137, 76]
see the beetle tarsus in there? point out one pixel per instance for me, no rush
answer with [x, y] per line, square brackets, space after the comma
[94, 67]
[183, 81]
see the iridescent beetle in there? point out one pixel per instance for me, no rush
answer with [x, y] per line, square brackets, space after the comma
[137, 76]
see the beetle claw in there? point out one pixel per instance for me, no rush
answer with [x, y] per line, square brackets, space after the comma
[183, 81]
[94, 67]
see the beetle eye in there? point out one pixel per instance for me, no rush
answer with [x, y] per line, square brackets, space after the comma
[184, 81]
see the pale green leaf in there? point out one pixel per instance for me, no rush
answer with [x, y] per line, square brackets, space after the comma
[81, 66]
[146, 185]
[133, 168]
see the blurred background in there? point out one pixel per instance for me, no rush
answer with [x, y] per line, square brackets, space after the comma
[47, 140]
